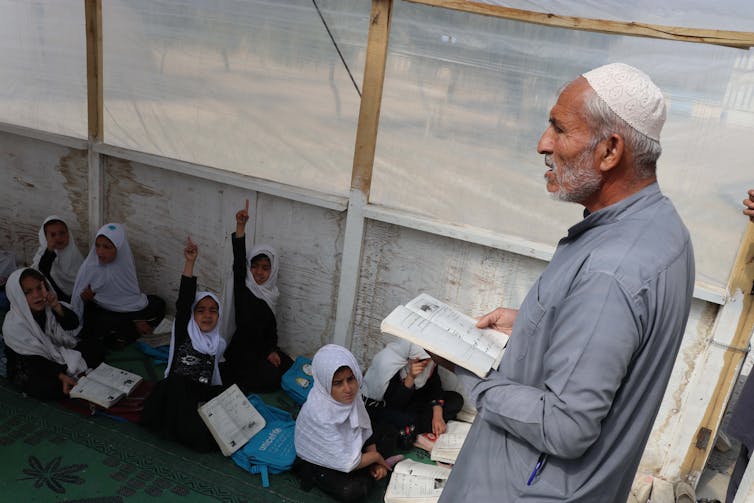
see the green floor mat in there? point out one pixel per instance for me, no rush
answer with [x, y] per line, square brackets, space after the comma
[50, 453]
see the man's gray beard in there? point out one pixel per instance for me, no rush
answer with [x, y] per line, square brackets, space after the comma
[583, 180]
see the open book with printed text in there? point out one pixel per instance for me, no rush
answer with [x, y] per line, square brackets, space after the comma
[105, 385]
[448, 333]
[448, 445]
[231, 419]
[414, 482]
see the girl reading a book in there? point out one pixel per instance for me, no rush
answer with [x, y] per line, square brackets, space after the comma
[333, 433]
[44, 356]
[253, 360]
[192, 375]
[403, 388]
[107, 294]
[58, 257]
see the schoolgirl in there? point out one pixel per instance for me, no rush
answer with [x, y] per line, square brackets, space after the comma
[107, 294]
[403, 388]
[58, 257]
[333, 435]
[44, 356]
[253, 359]
[192, 376]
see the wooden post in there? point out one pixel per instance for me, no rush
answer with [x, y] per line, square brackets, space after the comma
[742, 279]
[363, 163]
[94, 77]
[93, 13]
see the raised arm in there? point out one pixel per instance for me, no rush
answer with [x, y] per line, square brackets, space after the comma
[242, 216]
[186, 292]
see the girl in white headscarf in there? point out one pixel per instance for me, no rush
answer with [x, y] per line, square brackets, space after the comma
[192, 376]
[403, 388]
[253, 359]
[107, 294]
[333, 433]
[44, 356]
[58, 257]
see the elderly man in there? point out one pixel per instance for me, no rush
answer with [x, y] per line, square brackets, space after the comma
[567, 415]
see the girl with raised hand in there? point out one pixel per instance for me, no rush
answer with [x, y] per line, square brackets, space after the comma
[253, 360]
[333, 433]
[58, 257]
[192, 376]
[107, 293]
[44, 356]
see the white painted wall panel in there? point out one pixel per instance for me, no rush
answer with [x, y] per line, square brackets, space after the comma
[160, 208]
[38, 179]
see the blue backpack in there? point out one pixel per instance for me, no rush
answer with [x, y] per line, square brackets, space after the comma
[272, 449]
[298, 380]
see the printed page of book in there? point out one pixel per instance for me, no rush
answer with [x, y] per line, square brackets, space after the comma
[408, 325]
[122, 380]
[486, 340]
[448, 445]
[96, 392]
[416, 482]
[231, 419]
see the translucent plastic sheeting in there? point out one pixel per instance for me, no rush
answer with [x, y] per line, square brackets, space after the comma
[255, 87]
[735, 15]
[467, 97]
[43, 66]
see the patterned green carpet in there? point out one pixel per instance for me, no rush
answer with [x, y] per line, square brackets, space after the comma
[50, 453]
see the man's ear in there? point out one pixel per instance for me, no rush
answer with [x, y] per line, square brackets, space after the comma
[611, 152]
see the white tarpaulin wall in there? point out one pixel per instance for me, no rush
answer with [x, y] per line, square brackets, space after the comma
[467, 97]
[262, 88]
[43, 65]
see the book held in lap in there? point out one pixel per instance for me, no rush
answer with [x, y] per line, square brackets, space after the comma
[448, 333]
[105, 385]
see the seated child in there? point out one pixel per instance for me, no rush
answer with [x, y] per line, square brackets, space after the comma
[58, 257]
[333, 433]
[44, 356]
[253, 360]
[107, 294]
[403, 388]
[192, 376]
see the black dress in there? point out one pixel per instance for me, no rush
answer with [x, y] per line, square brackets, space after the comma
[36, 375]
[171, 408]
[402, 406]
[255, 337]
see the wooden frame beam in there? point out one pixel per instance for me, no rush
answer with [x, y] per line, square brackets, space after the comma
[737, 39]
[93, 13]
[742, 279]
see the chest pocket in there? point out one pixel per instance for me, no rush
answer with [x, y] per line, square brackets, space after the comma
[527, 323]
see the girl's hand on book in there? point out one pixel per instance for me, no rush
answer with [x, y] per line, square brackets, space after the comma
[378, 471]
[438, 423]
[749, 203]
[68, 382]
[501, 319]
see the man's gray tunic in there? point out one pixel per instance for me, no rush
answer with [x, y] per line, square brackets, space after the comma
[587, 365]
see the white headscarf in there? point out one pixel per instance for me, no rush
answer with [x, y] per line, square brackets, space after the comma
[206, 343]
[68, 261]
[23, 334]
[330, 433]
[268, 291]
[115, 284]
[391, 359]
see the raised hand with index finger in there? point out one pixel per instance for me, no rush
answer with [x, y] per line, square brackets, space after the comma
[242, 216]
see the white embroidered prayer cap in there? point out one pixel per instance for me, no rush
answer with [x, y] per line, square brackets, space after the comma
[632, 95]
